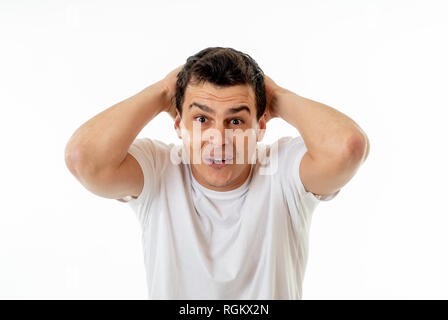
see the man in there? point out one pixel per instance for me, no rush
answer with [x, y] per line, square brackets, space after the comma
[214, 227]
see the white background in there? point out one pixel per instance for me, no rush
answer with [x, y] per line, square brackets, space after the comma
[383, 63]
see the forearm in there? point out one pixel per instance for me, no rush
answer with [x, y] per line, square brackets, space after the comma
[327, 132]
[103, 141]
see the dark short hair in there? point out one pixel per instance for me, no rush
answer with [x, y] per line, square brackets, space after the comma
[222, 67]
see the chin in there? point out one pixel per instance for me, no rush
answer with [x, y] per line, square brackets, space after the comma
[217, 177]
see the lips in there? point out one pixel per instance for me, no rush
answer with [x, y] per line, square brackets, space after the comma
[218, 161]
[217, 165]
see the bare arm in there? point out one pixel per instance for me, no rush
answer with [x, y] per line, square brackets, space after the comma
[336, 145]
[97, 153]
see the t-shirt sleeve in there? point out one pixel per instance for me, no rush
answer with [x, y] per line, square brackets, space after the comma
[290, 154]
[151, 156]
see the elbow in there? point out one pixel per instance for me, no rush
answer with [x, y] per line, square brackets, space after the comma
[77, 161]
[356, 148]
[73, 158]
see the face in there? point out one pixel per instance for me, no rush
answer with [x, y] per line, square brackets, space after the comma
[220, 123]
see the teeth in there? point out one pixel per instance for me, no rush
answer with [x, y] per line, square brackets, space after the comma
[219, 161]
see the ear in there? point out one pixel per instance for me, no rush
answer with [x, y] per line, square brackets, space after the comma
[261, 127]
[177, 121]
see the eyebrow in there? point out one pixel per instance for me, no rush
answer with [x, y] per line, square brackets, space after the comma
[205, 108]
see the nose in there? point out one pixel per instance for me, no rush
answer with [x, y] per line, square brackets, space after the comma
[217, 142]
[216, 135]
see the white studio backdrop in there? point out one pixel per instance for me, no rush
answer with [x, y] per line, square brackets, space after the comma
[383, 63]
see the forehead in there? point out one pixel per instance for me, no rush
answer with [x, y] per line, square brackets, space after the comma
[218, 96]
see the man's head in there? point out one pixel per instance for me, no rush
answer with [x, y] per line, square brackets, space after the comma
[220, 93]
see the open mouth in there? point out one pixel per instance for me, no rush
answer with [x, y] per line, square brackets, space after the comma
[218, 161]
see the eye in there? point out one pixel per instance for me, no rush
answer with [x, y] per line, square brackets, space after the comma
[201, 119]
[236, 121]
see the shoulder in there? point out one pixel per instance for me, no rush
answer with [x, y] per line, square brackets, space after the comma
[289, 141]
[152, 149]
[275, 157]
[285, 147]
[154, 156]
[285, 143]
[152, 144]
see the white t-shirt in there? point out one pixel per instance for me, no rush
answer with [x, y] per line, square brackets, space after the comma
[246, 243]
